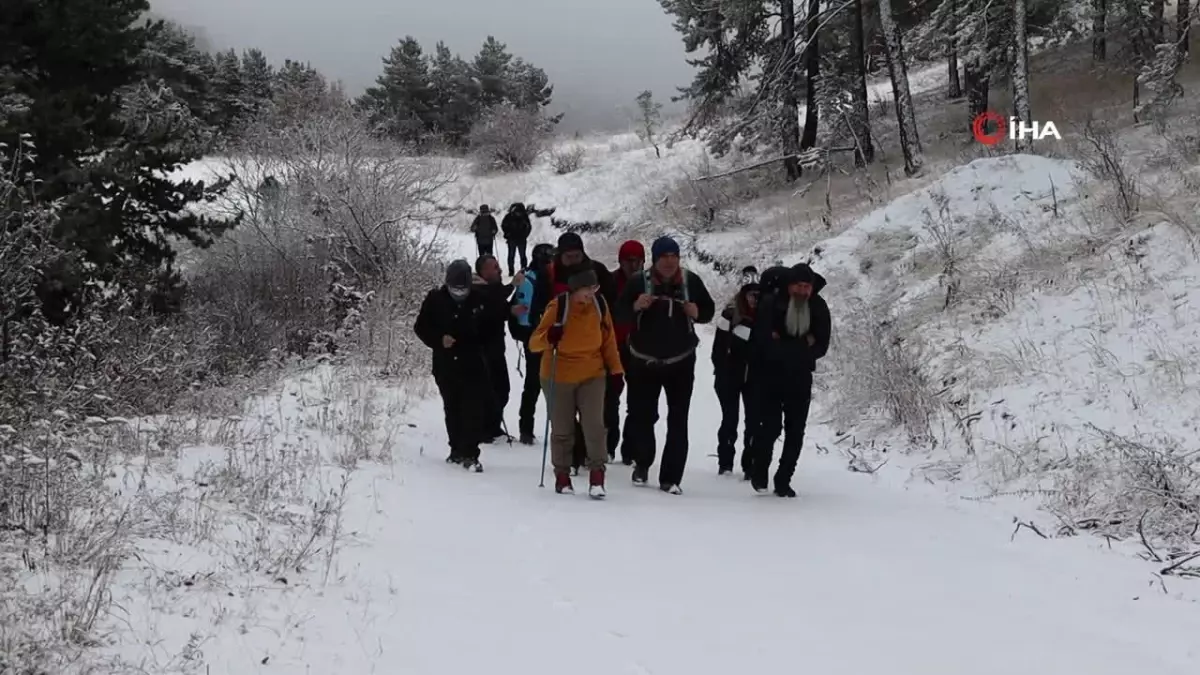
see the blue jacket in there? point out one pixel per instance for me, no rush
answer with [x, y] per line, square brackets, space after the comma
[524, 296]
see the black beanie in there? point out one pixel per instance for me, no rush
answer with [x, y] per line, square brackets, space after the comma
[459, 274]
[570, 241]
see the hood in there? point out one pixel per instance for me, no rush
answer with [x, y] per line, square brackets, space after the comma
[818, 283]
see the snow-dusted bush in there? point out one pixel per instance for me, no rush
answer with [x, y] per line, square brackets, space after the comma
[567, 160]
[880, 375]
[332, 218]
[509, 138]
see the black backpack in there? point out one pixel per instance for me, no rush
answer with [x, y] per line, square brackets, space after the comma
[775, 280]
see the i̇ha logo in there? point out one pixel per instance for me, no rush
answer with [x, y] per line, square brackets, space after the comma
[990, 128]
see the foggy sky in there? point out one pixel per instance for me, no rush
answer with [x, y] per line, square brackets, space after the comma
[598, 53]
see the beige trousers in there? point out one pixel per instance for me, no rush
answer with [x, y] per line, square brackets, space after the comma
[565, 400]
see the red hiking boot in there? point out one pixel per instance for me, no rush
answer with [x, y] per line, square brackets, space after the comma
[596, 484]
[562, 484]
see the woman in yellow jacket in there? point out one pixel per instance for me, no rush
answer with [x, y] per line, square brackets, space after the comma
[577, 328]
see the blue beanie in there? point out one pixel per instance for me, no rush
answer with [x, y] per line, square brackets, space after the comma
[663, 246]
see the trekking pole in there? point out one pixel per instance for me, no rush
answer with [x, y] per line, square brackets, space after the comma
[549, 412]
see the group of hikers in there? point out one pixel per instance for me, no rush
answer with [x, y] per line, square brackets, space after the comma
[589, 335]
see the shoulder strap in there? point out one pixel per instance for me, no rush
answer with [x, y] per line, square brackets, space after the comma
[686, 294]
[561, 319]
[648, 282]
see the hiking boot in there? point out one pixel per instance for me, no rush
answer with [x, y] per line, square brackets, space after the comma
[785, 491]
[562, 484]
[574, 471]
[472, 465]
[724, 471]
[596, 484]
[454, 459]
[527, 439]
[671, 489]
[640, 476]
[760, 486]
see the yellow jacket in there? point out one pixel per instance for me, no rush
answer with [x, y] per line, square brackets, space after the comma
[588, 347]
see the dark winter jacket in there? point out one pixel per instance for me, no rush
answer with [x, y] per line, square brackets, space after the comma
[493, 321]
[623, 328]
[466, 322]
[731, 343]
[774, 353]
[554, 282]
[516, 226]
[484, 227]
[663, 332]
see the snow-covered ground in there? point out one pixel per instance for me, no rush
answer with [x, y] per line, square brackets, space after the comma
[439, 571]
[993, 338]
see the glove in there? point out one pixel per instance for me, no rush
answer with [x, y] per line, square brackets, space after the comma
[554, 335]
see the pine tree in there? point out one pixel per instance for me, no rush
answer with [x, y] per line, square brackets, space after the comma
[172, 57]
[454, 96]
[258, 77]
[492, 71]
[401, 102]
[229, 92]
[649, 119]
[529, 87]
[76, 66]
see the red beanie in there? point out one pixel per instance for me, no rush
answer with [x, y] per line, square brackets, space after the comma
[632, 249]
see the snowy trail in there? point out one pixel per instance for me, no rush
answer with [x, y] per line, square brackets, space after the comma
[493, 573]
[462, 573]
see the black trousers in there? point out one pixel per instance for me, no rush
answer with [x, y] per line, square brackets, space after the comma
[646, 384]
[612, 411]
[515, 247]
[734, 393]
[486, 246]
[781, 407]
[499, 387]
[463, 401]
[530, 390]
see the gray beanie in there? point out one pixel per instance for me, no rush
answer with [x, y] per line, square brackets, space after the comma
[459, 274]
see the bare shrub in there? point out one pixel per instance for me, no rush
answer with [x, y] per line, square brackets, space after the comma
[509, 138]
[567, 160]
[1101, 155]
[880, 371]
[1126, 486]
[696, 203]
[331, 218]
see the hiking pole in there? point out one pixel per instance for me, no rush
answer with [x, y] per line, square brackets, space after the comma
[549, 412]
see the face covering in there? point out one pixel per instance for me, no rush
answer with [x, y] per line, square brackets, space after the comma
[459, 294]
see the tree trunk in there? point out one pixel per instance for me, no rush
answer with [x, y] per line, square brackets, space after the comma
[953, 86]
[812, 61]
[1157, 27]
[1020, 70]
[1099, 21]
[861, 113]
[1183, 25]
[978, 80]
[910, 143]
[790, 125]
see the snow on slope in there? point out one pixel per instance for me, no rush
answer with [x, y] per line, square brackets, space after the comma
[441, 572]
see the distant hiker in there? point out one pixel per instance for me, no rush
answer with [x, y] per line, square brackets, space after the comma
[484, 228]
[517, 228]
[577, 331]
[791, 331]
[488, 282]
[730, 358]
[570, 254]
[631, 259]
[452, 322]
[520, 327]
[663, 304]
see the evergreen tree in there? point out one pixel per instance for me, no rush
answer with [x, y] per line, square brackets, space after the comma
[229, 92]
[492, 70]
[257, 76]
[75, 66]
[649, 119]
[172, 57]
[401, 102]
[454, 96]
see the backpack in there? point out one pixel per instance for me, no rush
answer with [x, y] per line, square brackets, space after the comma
[525, 296]
[564, 301]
